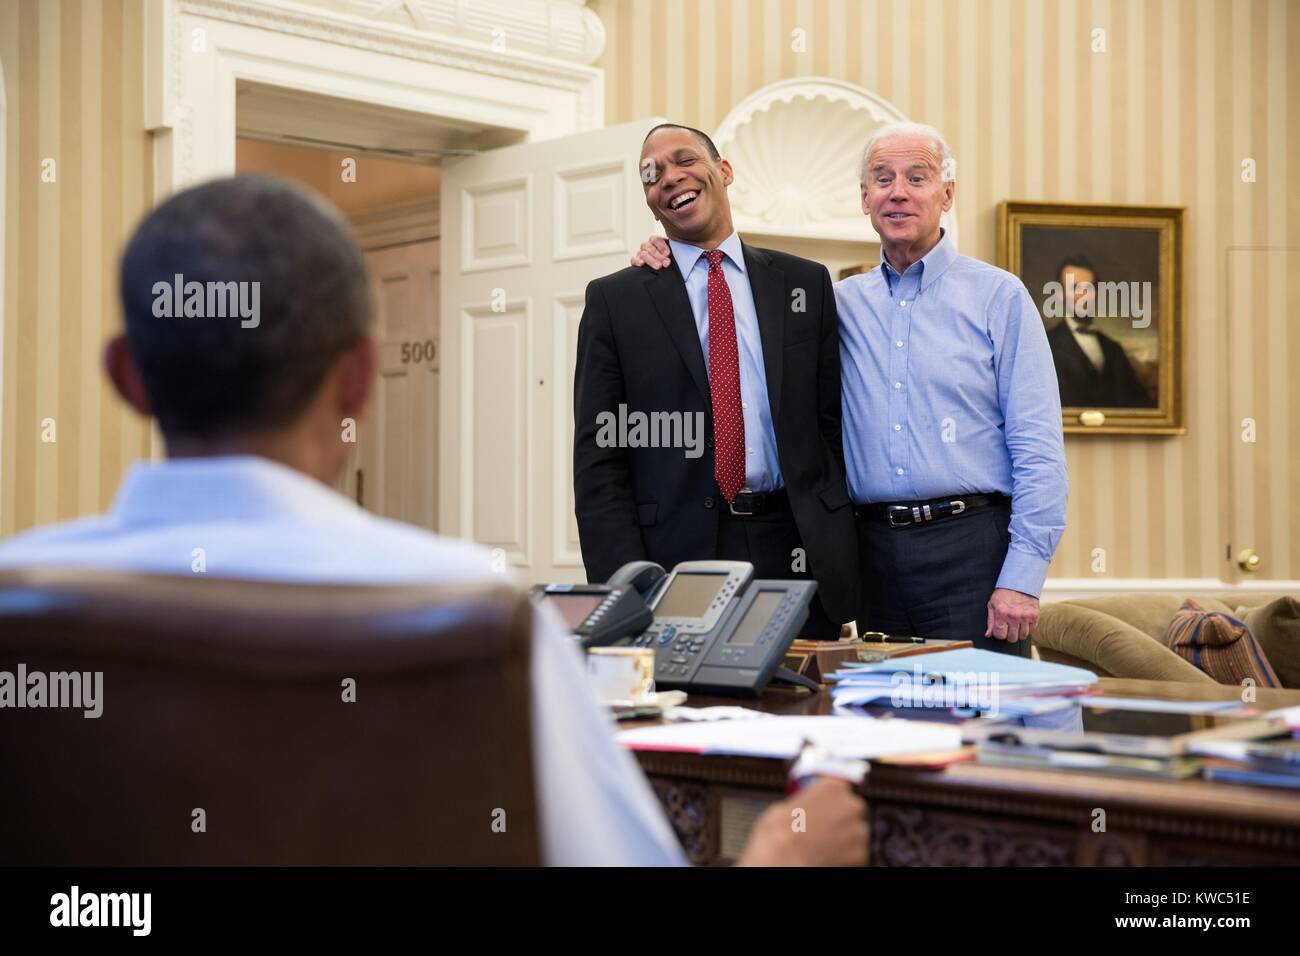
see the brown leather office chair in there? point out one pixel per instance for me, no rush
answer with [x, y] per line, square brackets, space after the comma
[228, 697]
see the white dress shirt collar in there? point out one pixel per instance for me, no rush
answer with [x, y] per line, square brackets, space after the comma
[227, 488]
[686, 255]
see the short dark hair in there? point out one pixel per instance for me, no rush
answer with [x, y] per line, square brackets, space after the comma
[1082, 262]
[701, 136]
[218, 376]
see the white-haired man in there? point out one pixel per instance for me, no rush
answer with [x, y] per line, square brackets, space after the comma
[952, 417]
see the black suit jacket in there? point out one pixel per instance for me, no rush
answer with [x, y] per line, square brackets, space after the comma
[1082, 386]
[638, 346]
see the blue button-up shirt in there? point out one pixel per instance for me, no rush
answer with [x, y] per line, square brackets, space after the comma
[762, 469]
[949, 388]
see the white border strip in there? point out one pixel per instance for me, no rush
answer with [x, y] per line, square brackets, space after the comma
[1067, 589]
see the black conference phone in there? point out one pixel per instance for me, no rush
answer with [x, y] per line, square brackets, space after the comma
[598, 614]
[717, 630]
[713, 627]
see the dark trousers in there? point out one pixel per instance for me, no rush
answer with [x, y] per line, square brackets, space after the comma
[769, 543]
[935, 579]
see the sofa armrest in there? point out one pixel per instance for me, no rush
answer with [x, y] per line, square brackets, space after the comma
[1085, 637]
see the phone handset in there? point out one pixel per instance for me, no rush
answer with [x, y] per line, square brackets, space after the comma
[642, 576]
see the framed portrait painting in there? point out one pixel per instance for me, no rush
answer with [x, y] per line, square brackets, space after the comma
[1108, 284]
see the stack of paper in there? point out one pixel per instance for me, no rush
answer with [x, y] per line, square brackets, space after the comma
[857, 738]
[967, 682]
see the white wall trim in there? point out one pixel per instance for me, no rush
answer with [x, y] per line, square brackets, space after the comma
[1069, 589]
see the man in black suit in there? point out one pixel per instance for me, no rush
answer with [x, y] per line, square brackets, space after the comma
[1091, 367]
[744, 342]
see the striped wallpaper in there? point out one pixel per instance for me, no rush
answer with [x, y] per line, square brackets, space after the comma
[1185, 90]
[73, 79]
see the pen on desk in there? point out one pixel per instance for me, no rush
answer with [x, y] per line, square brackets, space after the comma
[901, 639]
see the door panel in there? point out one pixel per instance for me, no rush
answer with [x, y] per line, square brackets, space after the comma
[1264, 414]
[397, 448]
[525, 228]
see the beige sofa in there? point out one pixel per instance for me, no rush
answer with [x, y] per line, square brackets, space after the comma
[1123, 636]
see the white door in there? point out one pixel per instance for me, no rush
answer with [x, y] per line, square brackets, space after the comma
[394, 471]
[1263, 414]
[524, 229]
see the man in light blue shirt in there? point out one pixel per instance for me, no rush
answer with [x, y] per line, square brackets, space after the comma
[952, 417]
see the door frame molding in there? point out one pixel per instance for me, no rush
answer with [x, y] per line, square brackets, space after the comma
[190, 93]
[539, 88]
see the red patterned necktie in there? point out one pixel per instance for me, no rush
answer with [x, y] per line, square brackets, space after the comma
[724, 384]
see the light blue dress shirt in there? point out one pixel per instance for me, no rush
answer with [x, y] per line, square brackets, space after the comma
[949, 388]
[762, 468]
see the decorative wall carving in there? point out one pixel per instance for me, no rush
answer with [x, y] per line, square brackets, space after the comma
[796, 146]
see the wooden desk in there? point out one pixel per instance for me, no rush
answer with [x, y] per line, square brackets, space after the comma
[971, 815]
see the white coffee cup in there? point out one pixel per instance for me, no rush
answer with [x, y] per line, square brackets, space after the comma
[621, 673]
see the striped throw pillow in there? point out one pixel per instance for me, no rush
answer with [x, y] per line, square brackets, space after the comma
[1220, 645]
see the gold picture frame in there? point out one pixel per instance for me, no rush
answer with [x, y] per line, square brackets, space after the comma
[1119, 351]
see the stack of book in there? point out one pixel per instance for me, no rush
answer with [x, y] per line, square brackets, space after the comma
[1141, 738]
[1270, 763]
[997, 752]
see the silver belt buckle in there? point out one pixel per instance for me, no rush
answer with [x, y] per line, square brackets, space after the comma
[896, 509]
[731, 506]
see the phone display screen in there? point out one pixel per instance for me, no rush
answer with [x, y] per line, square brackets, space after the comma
[689, 595]
[756, 618]
[574, 608]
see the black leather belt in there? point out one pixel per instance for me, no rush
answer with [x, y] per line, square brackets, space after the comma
[750, 503]
[901, 514]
